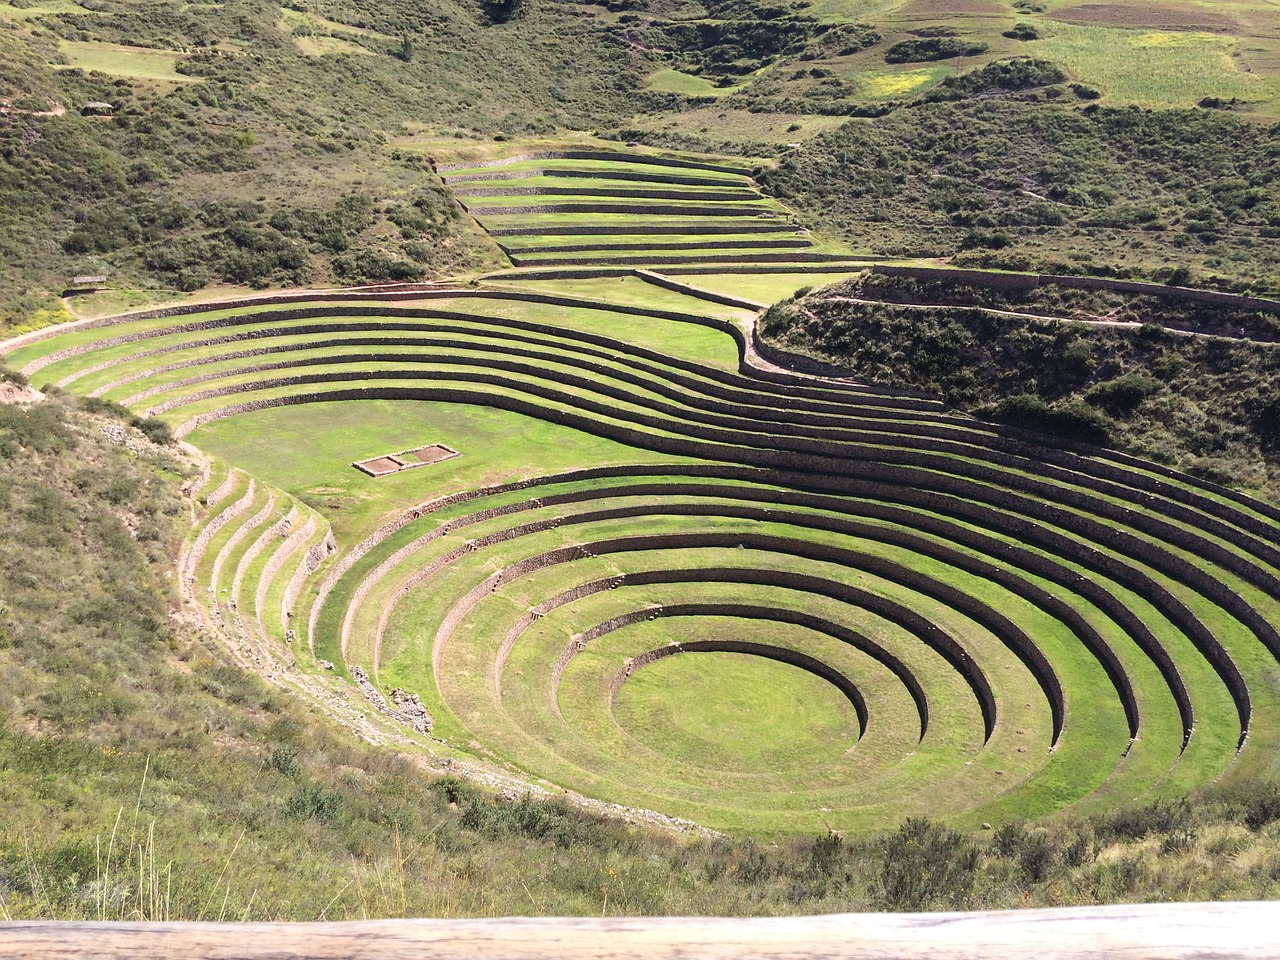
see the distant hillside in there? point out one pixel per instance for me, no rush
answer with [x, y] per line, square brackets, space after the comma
[1190, 385]
[1023, 184]
[256, 144]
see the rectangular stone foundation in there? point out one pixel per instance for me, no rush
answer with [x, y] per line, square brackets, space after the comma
[389, 463]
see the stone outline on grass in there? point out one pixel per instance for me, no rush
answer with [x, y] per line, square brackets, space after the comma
[399, 461]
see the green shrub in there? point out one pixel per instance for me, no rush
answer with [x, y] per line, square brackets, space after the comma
[1123, 394]
[1022, 31]
[1037, 856]
[157, 431]
[926, 865]
[1135, 823]
[39, 427]
[374, 266]
[923, 49]
[986, 239]
[12, 376]
[315, 801]
[1260, 805]
[826, 852]
[106, 408]
[1073, 419]
[285, 762]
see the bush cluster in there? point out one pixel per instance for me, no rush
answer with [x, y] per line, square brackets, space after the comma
[1047, 186]
[923, 49]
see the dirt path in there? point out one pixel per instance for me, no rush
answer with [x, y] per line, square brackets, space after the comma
[56, 111]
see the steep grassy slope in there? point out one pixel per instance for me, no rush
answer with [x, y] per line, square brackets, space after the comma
[267, 163]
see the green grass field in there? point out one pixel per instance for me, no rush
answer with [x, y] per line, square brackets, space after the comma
[673, 81]
[889, 83]
[10, 12]
[330, 46]
[1153, 67]
[116, 60]
[737, 713]
[303, 23]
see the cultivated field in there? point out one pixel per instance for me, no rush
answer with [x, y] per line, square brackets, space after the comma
[1170, 54]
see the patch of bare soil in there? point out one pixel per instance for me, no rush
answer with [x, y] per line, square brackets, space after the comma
[946, 9]
[1160, 16]
[432, 454]
[378, 466]
[13, 393]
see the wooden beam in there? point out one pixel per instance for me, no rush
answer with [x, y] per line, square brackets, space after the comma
[1176, 931]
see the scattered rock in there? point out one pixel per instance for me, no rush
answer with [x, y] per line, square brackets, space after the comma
[986, 826]
[404, 706]
[409, 706]
[327, 664]
[131, 440]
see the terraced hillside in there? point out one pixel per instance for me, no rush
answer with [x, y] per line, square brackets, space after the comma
[588, 207]
[665, 574]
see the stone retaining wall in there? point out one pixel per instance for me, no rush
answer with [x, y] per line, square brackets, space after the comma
[236, 539]
[481, 211]
[291, 544]
[637, 193]
[788, 243]
[779, 257]
[655, 176]
[309, 564]
[277, 531]
[606, 155]
[205, 537]
[639, 229]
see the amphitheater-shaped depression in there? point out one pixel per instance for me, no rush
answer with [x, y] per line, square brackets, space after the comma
[662, 574]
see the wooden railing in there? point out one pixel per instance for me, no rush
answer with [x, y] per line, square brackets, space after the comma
[1250, 931]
